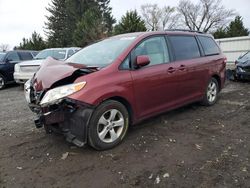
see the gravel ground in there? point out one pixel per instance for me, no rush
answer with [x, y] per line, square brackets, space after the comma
[194, 146]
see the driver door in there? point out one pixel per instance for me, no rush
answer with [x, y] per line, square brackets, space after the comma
[11, 59]
[154, 86]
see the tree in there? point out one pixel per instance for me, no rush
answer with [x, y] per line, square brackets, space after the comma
[235, 29]
[207, 15]
[107, 17]
[159, 18]
[130, 22]
[68, 18]
[220, 33]
[89, 28]
[151, 14]
[4, 47]
[59, 27]
[36, 42]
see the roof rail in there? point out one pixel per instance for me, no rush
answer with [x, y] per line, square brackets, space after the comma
[184, 30]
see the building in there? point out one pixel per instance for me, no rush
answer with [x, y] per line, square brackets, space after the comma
[234, 47]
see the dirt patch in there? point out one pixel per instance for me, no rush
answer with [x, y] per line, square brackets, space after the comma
[193, 146]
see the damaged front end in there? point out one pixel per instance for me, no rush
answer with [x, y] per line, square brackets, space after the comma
[56, 112]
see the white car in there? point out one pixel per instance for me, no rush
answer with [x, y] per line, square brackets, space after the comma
[25, 70]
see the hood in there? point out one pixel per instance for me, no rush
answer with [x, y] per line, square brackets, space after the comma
[245, 63]
[35, 62]
[54, 73]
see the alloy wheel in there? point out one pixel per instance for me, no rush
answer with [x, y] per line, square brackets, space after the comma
[2, 82]
[110, 126]
[212, 92]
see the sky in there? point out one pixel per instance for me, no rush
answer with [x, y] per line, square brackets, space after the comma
[19, 18]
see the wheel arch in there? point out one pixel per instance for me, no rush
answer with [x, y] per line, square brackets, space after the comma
[217, 77]
[127, 105]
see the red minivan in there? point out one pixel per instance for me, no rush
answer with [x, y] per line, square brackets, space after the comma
[104, 88]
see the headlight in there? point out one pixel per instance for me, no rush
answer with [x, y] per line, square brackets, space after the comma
[17, 67]
[60, 92]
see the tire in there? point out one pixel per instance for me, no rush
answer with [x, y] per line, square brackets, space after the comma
[108, 125]
[211, 94]
[2, 82]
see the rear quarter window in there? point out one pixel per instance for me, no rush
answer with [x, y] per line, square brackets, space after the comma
[209, 45]
[185, 47]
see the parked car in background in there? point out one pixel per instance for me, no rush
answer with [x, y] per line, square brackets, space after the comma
[242, 71]
[7, 62]
[98, 92]
[25, 70]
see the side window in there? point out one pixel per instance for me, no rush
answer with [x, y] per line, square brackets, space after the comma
[13, 56]
[25, 55]
[185, 47]
[70, 53]
[209, 45]
[155, 48]
[125, 64]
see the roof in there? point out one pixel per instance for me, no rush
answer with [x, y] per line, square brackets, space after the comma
[171, 31]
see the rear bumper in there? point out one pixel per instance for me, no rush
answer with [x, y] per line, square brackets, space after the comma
[69, 117]
[21, 77]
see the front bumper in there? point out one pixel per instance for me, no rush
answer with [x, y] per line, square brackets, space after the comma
[69, 117]
[242, 75]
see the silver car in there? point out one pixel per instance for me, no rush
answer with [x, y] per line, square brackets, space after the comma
[25, 70]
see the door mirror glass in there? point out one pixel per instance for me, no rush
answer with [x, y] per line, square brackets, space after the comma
[142, 60]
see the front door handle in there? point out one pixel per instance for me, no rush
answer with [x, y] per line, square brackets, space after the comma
[171, 69]
[182, 68]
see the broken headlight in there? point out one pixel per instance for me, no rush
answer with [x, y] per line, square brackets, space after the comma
[60, 92]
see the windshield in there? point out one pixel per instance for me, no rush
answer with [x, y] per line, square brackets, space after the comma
[57, 54]
[103, 53]
[2, 56]
[245, 57]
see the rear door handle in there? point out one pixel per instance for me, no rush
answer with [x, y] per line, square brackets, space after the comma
[171, 69]
[182, 68]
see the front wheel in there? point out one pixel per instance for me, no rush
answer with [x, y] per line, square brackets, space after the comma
[2, 82]
[108, 125]
[211, 94]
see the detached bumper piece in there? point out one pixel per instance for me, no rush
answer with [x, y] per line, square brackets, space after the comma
[69, 117]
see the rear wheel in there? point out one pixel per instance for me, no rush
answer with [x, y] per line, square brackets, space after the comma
[211, 94]
[2, 82]
[108, 125]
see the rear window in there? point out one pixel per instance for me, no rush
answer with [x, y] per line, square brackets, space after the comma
[209, 45]
[185, 47]
[25, 55]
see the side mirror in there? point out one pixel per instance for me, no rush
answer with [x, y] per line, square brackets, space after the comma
[142, 60]
[7, 60]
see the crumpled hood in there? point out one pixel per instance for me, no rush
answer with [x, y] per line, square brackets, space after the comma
[51, 71]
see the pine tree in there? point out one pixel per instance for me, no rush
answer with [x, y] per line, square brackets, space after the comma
[60, 24]
[236, 28]
[130, 22]
[36, 42]
[220, 33]
[78, 22]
